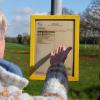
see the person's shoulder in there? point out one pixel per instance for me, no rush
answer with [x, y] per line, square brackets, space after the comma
[9, 78]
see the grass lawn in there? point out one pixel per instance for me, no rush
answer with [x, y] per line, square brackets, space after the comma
[88, 86]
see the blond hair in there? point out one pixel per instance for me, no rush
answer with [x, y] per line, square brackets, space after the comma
[3, 23]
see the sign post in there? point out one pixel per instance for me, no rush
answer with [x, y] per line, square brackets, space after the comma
[47, 33]
[56, 7]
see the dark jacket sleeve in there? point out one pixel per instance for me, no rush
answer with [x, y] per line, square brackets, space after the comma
[56, 81]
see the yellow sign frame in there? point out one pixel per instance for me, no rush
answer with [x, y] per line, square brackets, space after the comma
[33, 18]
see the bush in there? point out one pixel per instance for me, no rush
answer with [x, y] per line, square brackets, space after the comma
[11, 39]
[19, 39]
[89, 40]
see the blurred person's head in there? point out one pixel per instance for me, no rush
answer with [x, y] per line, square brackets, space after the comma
[3, 28]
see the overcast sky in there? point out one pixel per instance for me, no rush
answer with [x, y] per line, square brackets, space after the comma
[18, 12]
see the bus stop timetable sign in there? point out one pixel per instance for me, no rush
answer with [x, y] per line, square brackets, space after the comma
[47, 33]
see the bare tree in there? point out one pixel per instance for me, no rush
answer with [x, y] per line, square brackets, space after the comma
[90, 20]
[26, 38]
[19, 38]
[67, 11]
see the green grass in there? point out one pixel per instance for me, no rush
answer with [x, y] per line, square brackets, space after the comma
[88, 86]
[89, 50]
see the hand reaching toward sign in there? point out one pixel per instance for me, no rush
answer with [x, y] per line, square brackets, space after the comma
[59, 55]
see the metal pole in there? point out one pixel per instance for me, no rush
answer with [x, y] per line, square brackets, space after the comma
[56, 7]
